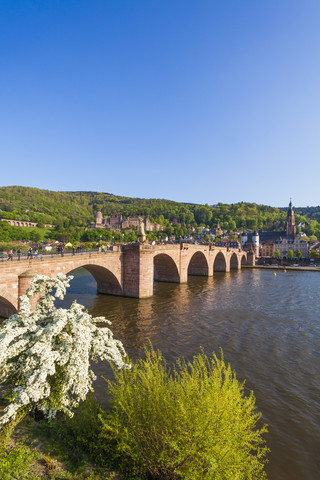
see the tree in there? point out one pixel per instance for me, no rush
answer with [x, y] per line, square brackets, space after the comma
[290, 254]
[64, 237]
[35, 236]
[277, 253]
[232, 226]
[161, 219]
[251, 223]
[45, 354]
[169, 230]
[313, 254]
[191, 421]
[298, 254]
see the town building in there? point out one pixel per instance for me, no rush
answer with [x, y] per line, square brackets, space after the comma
[217, 231]
[265, 244]
[284, 245]
[266, 249]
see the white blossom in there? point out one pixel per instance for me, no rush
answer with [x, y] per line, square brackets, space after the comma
[45, 353]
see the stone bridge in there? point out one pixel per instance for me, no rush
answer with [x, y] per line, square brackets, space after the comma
[128, 271]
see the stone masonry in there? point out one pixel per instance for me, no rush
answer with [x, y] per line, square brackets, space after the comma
[130, 272]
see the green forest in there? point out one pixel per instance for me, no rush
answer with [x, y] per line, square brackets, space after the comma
[72, 212]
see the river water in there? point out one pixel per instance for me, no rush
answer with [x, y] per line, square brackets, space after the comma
[269, 329]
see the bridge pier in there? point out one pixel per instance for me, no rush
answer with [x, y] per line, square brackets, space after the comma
[23, 285]
[137, 272]
[24, 280]
[183, 264]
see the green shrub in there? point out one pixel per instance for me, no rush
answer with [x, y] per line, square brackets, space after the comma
[189, 422]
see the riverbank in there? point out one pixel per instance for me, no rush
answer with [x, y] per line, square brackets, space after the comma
[55, 451]
[283, 267]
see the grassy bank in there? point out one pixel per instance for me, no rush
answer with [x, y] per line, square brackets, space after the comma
[61, 450]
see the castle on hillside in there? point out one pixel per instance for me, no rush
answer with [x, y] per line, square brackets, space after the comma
[117, 223]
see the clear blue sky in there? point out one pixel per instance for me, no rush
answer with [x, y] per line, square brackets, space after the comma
[196, 101]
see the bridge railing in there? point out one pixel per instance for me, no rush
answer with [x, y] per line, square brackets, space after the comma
[4, 257]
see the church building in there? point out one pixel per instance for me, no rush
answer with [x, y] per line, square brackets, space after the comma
[266, 244]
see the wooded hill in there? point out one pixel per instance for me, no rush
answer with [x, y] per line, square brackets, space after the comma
[78, 209]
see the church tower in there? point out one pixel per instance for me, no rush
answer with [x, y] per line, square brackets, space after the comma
[291, 229]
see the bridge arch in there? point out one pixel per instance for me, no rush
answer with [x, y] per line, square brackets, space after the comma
[234, 262]
[243, 260]
[107, 282]
[8, 304]
[220, 264]
[165, 269]
[198, 265]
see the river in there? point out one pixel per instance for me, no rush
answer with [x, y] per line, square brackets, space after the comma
[269, 329]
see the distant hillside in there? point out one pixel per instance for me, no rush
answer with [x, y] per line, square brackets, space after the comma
[78, 209]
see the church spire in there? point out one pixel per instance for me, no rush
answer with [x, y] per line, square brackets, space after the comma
[291, 224]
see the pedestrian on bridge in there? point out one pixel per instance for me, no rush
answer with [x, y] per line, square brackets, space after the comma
[19, 253]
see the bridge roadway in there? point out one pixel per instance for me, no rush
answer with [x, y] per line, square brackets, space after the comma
[129, 270]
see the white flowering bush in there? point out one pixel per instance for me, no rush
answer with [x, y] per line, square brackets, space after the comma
[45, 353]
